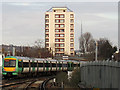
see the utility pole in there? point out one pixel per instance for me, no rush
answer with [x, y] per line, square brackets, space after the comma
[96, 51]
[13, 51]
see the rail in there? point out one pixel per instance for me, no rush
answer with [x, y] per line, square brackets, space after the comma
[43, 85]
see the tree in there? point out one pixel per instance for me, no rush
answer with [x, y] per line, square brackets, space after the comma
[105, 49]
[42, 52]
[87, 43]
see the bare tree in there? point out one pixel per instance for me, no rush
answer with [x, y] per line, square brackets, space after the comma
[42, 52]
[39, 43]
[86, 43]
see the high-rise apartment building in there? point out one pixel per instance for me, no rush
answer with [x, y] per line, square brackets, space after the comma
[59, 31]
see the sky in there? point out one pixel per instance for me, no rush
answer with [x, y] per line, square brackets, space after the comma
[23, 22]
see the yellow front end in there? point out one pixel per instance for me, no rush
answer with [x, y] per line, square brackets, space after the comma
[9, 69]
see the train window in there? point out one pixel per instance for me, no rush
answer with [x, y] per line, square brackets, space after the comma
[19, 64]
[53, 64]
[59, 65]
[32, 64]
[35, 64]
[40, 64]
[25, 64]
[9, 63]
[64, 65]
[47, 64]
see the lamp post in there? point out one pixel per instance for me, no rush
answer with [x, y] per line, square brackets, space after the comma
[96, 51]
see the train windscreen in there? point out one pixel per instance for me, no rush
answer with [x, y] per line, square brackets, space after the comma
[9, 63]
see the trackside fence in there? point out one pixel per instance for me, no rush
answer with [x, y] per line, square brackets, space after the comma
[101, 74]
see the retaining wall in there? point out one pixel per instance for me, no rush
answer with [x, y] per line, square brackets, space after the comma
[101, 74]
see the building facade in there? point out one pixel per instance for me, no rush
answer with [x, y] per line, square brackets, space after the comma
[59, 31]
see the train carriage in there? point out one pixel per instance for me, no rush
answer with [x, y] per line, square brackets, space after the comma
[23, 65]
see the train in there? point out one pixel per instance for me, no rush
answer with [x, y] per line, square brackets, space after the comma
[17, 66]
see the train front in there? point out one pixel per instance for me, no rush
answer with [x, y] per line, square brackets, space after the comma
[9, 66]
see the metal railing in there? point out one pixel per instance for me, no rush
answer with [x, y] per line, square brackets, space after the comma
[101, 74]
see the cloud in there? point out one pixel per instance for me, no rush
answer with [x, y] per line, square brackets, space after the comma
[21, 4]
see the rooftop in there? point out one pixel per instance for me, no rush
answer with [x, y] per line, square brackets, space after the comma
[66, 8]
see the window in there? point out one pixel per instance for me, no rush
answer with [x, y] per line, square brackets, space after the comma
[35, 64]
[71, 25]
[47, 30]
[47, 45]
[32, 64]
[54, 10]
[71, 49]
[63, 10]
[47, 16]
[57, 25]
[62, 21]
[71, 44]
[47, 25]
[56, 45]
[61, 35]
[25, 64]
[56, 20]
[56, 30]
[47, 40]
[9, 63]
[71, 15]
[47, 64]
[53, 64]
[71, 39]
[62, 16]
[57, 16]
[61, 30]
[62, 25]
[47, 35]
[62, 49]
[47, 21]
[72, 35]
[56, 49]
[56, 35]
[40, 64]
[61, 40]
[56, 40]
[59, 45]
[71, 30]
[71, 20]
[62, 45]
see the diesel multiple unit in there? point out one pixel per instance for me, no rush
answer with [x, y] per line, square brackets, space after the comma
[23, 65]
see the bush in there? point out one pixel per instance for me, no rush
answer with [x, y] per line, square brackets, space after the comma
[75, 78]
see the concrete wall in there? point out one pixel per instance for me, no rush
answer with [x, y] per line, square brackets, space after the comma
[101, 74]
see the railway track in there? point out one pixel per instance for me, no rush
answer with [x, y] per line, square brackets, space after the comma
[43, 86]
[38, 84]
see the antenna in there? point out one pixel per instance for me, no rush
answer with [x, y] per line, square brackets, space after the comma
[81, 29]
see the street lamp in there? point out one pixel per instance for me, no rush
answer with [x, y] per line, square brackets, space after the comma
[96, 50]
